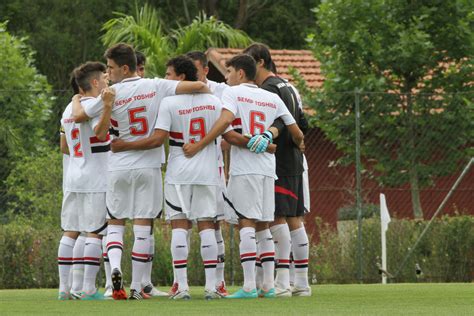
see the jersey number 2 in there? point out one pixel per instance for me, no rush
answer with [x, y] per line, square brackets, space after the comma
[76, 147]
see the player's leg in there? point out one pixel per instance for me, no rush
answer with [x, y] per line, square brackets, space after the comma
[300, 249]
[209, 255]
[220, 277]
[77, 270]
[65, 256]
[179, 253]
[107, 271]
[140, 255]
[266, 254]
[282, 239]
[116, 228]
[92, 254]
[147, 284]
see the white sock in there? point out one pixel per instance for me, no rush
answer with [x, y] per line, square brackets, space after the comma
[292, 268]
[140, 255]
[248, 254]
[209, 257]
[282, 240]
[78, 264]
[220, 257]
[179, 251]
[146, 280]
[266, 253]
[258, 272]
[115, 246]
[107, 272]
[92, 252]
[65, 250]
[300, 247]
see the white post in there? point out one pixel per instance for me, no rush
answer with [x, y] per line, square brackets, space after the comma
[384, 220]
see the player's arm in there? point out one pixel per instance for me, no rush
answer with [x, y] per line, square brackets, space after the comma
[155, 140]
[297, 135]
[102, 128]
[185, 87]
[78, 113]
[225, 119]
[63, 144]
[237, 139]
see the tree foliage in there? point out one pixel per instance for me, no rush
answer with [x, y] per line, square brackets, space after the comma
[420, 55]
[145, 31]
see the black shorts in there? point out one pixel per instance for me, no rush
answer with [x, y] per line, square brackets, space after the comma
[289, 196]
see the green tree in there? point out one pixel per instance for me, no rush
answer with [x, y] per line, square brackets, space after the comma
[25, 102]
[419, 51]
[146, 33]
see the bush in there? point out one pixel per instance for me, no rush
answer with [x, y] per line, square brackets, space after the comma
[445, 254]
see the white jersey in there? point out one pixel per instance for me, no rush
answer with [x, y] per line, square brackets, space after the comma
[188, 118]
[88, 156]
[217, 88]
[255, 110]
[134, 113]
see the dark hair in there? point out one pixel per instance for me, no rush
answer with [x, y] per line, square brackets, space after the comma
[183, 65]
[73, 83]
[141, 58]
[259, 52]
[85, 72]
[244, 62]
[122, 54]
[197, 55]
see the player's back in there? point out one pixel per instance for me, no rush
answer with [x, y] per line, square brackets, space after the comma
[88, 156]
[188, 118]
[256, 110]
[133, 117]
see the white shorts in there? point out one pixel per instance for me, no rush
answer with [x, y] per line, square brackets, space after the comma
[306, 196]
[191, 201]
[83, 212]
[250, 196]
[220, 196]
[135, 193]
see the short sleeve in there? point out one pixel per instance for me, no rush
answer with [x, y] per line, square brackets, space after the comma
[164, 116]
[229, 102]
[283, 112]
[166, 88]
[94, 108]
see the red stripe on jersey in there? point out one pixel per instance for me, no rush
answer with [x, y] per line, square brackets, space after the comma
[91, 259]
[249, 254]
[301, 261]
[95, 140]
[180, 261]
[283, 261]
[282, 190]
[143, 255]
[114, 123]
[65, 259]
[267, 254]
[237, 121]
[176, 135]
[114, 243]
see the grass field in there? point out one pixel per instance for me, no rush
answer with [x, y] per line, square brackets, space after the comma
[392, 299]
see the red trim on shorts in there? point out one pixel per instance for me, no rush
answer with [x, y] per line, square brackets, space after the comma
[282, 190]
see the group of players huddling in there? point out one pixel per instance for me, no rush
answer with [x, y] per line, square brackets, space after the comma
[115, 137]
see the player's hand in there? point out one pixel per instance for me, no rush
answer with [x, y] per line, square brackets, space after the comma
[272, 148]
[190, 149]
[117, 145]
[108, 96]
[302, 147]
[76, 97]
[259, 143]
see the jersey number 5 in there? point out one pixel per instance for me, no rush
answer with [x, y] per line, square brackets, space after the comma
[77, 146]
[256, 122]
[142, 128]
[197, 129]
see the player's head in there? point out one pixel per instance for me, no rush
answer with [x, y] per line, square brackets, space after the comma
[121, 62]
[201, 63]
[91, 77]
[240, 68]
[261, 53]
[73, 83]
[141, 62]
[181, 68]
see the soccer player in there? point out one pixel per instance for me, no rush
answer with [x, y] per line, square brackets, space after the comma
[191, 185]
[252, 176]
[201, 63]
[134, 189]
[288, 228]
[84, 197]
